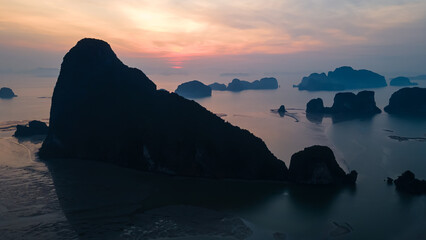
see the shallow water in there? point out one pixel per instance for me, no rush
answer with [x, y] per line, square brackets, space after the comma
[68, 199]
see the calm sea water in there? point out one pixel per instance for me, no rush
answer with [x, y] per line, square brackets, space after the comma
[61, 200]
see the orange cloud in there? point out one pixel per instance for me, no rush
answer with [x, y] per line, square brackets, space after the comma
[178, 30]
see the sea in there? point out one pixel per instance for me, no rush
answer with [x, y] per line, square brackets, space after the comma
[75, 199]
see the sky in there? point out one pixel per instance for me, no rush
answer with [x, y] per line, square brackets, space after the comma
[221, 36]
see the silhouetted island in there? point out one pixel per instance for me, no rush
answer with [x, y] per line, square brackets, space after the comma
[346, 105]
[193, 89]
[342, 78]
[408, 102]
[218, 86]
[141, 128]
[317, 165]
[7, 93]
[408, 183]
[401, 81]
[34, 128]
[282, 112]
[238, 85]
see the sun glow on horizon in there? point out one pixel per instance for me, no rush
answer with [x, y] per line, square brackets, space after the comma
[180, 30]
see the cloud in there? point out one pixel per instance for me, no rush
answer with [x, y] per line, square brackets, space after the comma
[182, 29]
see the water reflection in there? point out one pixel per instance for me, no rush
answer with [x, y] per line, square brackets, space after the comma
[101, 200]
[335, 118]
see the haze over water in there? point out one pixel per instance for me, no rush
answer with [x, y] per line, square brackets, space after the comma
[373, 209]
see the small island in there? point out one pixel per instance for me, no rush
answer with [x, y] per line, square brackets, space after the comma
[408, 102]
[7, 93]
[238, 85]
[401, 81]
[342, 78]
[193, 89]
[408, 183]
[33, 128]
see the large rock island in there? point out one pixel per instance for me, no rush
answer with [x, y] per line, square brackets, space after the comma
[408, 102]
[346, 105]
[238, 85]
[317, 165]
[193, 89]
[342, 78]
[106, 111]
[6, 93]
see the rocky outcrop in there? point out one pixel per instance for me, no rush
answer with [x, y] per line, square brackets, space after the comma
[218, 86]
[346, 105]
[317, 165]
[193, 89]
[315, 106]
[33, 128]
[342, 78]
[106, 111]
[408, 183]
[281, 109]
[408, 102]
[401, 81]
[6, 93]
[238, 85]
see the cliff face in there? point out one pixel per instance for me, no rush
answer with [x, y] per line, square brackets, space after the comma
[103, 110]
[342, 78]
[408, 102]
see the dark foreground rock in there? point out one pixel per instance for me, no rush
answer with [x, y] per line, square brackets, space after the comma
[342, 78]
[317, 165]
[238, 85]
[34, 128]
[218, 86]
[6, 93]
[408, 102]
[346, 106]
[194, 89]
[142, 128]
[401, 81]
[408, 183]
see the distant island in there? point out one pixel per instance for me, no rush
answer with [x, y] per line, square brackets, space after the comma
[143, 128]
[418, 77]
[408, 102]
[6, 93]
[238, 85]
[342, 78]
[401, 81]
[193, 89]
[346, 105]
